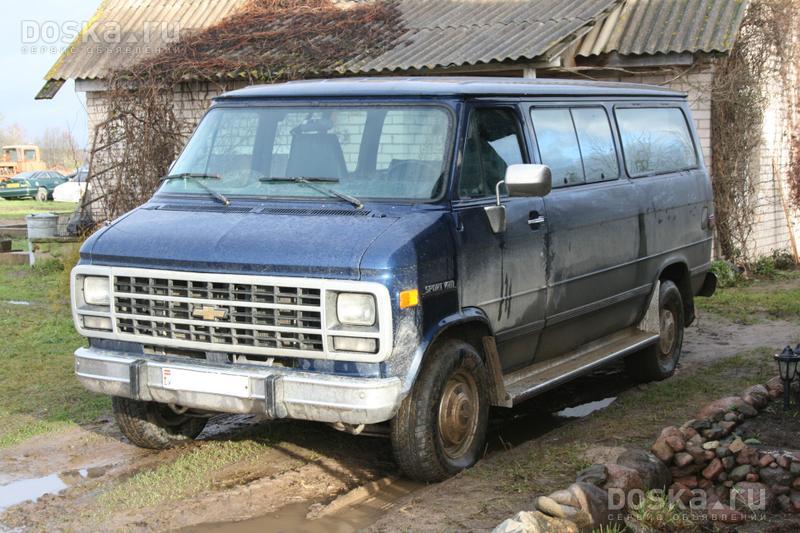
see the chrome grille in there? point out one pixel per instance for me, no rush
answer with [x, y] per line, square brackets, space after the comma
[254, 315]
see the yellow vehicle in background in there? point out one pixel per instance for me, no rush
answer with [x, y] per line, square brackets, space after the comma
[20, 158]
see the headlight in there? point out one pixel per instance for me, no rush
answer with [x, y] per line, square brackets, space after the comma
[354, 309]
[95, 290]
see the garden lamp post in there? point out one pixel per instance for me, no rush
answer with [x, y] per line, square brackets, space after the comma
[787, 366]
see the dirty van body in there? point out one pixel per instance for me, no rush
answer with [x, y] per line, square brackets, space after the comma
[402, 254]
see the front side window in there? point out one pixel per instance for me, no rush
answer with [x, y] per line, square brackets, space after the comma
[493, 143]
[379, 151]
[655, 140]
[597, 144]
[30, 155]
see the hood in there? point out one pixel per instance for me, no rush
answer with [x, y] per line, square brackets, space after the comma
[315, 242]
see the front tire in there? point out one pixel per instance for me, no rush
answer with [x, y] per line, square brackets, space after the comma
[440, 428]
[154, 425]
[659, 361]
[42, 194]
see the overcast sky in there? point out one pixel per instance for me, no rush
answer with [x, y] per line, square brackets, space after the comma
[26, 27]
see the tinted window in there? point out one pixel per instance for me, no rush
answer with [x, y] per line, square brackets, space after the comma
[655, 140]
[596, 143]
[558, 145]
[493, 143]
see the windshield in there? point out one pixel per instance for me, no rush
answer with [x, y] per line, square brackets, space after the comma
[365, 151]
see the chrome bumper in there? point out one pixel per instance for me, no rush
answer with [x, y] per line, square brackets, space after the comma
[275, 392]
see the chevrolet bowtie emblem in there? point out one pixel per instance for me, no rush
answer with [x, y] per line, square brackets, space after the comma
[209, 313]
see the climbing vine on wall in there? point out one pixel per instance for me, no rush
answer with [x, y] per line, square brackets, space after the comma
[766, 44]
[264, 42]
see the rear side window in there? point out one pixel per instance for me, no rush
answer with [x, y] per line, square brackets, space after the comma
[655, 140]
[577, 144]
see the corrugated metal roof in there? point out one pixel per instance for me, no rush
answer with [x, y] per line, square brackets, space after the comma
[124, 31]
[439, 32]
[445, 33]
[670, 26]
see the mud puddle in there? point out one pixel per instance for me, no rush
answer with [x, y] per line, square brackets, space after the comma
[29, 489]
[346, 519]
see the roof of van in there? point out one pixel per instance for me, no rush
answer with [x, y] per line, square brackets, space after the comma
[447, 86]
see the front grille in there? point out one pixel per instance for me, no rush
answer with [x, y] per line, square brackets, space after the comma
[223, 313]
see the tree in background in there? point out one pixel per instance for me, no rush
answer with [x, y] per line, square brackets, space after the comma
[60, 149]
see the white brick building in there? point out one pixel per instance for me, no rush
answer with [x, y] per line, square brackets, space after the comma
[672, 43]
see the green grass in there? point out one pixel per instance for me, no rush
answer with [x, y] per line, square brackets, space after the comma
[10, 209]
[756, 301]
[38, 389]
[189, 474]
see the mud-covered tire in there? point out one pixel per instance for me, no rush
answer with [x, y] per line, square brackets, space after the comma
[42, 195]
[659, 361]
[440, 428]
[153, 425]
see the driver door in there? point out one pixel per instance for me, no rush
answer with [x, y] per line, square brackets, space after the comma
[502, 274]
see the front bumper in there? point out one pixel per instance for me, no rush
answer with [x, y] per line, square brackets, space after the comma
[272, 391]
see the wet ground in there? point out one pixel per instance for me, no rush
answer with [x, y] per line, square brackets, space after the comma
[313, 479]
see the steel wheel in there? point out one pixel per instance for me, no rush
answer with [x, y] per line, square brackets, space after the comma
[41, 194]
[668, 335]
[458, 414]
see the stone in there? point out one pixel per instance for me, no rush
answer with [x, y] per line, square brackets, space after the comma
[564, 497]
[688, 432]
[752, 496]
[723, 476]
[593, 502]
[757, 396]
[785, 503]
[747, 456]
[698, 424]
[779, 489]
[794, 496]
[676, 442]
[550, 507]
[603, 454]
[685, 471]
[683, 459]
[704, 484]
[794, 468]
[796, 483]
[775, 476]
[737, 445]
[595, 474]
[766, 460]
[730, 417]
[719, 512]
[748, 411]
[623, 478]
[740, 472]
[653, 473]
[718, 408]
[688, 481]
[713, 433]
[783, 461]
[709, 455]
[536, 522]
[727, 427]
[723, 451]
[752, 442]
[728, 463]
[713, 470]
[680, 492]
[662, 450]
[711, 445]
[751, 477]
[775, 387]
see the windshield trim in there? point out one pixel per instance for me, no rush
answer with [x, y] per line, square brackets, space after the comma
[447, 161]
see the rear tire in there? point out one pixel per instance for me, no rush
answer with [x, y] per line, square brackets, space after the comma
[440, 428]
[42, 195]
[154, 425]
[659, 361]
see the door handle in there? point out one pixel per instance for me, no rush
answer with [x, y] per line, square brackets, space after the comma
[535, 220]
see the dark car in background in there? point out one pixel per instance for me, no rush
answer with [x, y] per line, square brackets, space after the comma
[35, 184]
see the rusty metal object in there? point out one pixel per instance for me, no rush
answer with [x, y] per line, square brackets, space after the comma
[459, 410]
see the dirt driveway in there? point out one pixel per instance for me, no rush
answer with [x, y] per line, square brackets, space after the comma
[284, 475]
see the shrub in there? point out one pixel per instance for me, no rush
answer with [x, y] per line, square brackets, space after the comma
[764, 267]
[783, 259]
[727, 274]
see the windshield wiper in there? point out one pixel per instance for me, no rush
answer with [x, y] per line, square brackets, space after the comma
[309, 182]
[199, 176]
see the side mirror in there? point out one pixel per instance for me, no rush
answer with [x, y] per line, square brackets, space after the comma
[520, 180]
[528, 180]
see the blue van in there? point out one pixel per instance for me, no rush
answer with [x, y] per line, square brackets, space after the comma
[399, 254]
